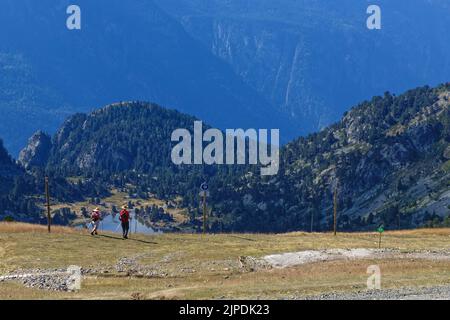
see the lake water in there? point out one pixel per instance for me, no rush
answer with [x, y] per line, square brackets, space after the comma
[111, 223]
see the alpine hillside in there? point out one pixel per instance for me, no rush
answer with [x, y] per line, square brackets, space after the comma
[387, 159]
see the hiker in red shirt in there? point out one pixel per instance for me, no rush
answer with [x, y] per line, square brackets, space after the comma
[95, 216]
[125, 219]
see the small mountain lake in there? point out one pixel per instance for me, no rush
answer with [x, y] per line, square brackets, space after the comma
[111, 223]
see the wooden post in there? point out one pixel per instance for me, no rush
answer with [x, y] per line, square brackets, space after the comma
[335, 210]
[47, 196]
[204, 212]
[379, 241]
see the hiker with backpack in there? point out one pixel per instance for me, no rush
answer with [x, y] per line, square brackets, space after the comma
[95, 220]
[125, 221]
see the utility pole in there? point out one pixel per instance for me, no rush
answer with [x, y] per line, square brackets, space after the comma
[204, 192]
[335, 210]
[47, 196]
[204, 212]
[313, 212]
[379, 242]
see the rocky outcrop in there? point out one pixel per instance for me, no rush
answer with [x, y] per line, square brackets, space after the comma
[36, 153]
[447, 153]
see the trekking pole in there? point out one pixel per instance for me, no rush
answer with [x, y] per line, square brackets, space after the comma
[88, 226]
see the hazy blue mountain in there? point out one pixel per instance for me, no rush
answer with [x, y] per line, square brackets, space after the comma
[126, 50]
[25, 104]
[314, 58]
[294, 65]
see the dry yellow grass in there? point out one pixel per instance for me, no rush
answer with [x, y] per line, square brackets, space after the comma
[18, 227]
[212, 260]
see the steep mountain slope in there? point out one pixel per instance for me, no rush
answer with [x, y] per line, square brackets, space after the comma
[124, 51]
[15, 189]
[26, 105]
[8, 169]
[388, 159]
[313, 59]
[119, 137]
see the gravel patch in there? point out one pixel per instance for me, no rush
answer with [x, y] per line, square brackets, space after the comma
[51, 279]
[425, 293]
[131, 267]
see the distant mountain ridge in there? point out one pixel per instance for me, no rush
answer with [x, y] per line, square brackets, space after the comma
[124, 51]
[293, 65]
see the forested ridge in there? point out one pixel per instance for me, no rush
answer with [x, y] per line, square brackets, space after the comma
[387, 160]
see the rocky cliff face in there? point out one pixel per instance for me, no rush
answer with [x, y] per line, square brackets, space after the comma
[313, 59]
[36, 153]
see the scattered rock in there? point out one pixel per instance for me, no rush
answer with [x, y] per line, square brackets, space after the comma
[424, 293]
[53, 280]
[251, 264]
